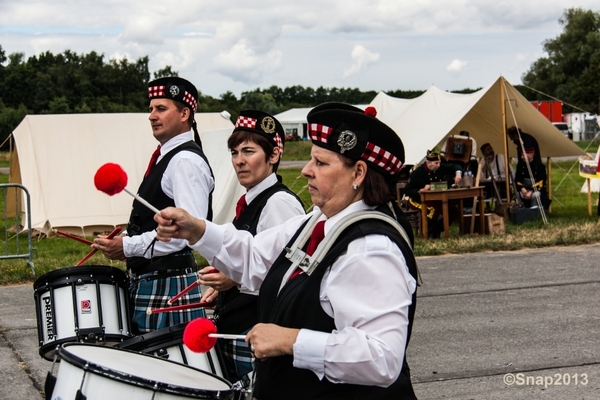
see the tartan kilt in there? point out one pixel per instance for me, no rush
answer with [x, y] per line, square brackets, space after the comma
[151, 290]
[237, 357]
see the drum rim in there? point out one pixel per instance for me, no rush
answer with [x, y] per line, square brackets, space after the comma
[134, 380]
[50, 348]
[100, 271]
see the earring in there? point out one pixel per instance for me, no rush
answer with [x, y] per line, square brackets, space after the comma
[355, 186]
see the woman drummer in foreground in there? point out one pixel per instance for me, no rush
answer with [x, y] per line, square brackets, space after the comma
[340, 328]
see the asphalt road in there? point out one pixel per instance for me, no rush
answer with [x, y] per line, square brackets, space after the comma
[505, 325]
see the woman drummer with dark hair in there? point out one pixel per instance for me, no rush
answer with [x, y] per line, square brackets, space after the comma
[334, 318]
[256, 147]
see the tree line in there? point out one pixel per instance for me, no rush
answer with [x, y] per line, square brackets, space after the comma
[88, 83]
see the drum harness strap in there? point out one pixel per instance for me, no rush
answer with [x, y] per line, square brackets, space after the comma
[308, 263]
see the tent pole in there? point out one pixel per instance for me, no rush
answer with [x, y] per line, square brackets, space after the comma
[549, 178]
[505, 141]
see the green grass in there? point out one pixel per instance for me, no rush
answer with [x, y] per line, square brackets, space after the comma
[590, 146]
[296, 151]
[569, 224]
[4, 159]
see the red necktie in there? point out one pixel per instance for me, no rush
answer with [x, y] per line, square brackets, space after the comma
[152, 162]
[240, 206]
[316, 237]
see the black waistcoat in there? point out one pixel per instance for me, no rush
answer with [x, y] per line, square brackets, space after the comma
[237, 311]
[298, 306]
[142, 218]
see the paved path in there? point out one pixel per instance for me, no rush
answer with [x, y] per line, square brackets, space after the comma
[479, 317]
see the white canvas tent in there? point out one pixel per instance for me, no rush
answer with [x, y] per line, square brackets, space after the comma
[425, 122]
[56, 156]
[294, 121]
[295, 118]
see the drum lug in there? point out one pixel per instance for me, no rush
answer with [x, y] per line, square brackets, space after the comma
[163, 353]
[91, 335]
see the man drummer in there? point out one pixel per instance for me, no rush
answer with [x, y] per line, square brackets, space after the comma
[178, 175]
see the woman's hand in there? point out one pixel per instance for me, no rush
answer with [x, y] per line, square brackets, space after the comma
[178, 223]
[215, 280]
[270, 340]
[209, 296]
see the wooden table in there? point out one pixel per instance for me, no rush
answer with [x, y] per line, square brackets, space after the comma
[452, 194]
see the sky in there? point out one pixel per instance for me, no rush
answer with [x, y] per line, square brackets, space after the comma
[241, 45]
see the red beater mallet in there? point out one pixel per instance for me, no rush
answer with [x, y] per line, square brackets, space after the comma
[112, 179]
[200, 335]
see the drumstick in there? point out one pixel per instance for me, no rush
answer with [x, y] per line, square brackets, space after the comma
[227, 336]
[179, 308]
[77, 238]
[91, 253]
[187, 289]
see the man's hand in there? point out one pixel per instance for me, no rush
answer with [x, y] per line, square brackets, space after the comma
[457, 179]
[111, 248]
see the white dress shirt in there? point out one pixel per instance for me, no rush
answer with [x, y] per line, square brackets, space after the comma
[187, 180]
[367, 291]
[497, 164]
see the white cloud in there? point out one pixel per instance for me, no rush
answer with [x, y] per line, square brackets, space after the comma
[242, 64]
[362, 59]
[457, 66]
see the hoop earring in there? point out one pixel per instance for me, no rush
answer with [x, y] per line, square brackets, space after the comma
[355, 186]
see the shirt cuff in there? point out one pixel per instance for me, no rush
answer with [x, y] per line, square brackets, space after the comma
[309, 351]
[210, 243]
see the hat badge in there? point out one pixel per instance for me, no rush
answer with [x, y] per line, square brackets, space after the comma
[268, 125]
[174, 90]
[346, 141]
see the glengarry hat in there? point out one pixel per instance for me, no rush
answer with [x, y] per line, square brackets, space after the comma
[358, 135]
[174, 88]
[262, 123]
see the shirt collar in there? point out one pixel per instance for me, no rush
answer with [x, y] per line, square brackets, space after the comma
[258, 189]
[174, 142]
[335, 219]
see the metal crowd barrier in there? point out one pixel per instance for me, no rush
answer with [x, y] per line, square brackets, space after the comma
[12, 226]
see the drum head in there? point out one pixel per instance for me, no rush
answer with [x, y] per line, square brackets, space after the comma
[145, 371]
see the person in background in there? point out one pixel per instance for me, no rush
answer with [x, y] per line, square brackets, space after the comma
[178, 175]
[335, 317]
[531, 187]
[529, 142]
[256, 147]
[432, 170]
[493, 167]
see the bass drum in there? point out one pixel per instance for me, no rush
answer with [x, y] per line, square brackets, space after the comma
[81, 304]
[167, 343]
[99, 372]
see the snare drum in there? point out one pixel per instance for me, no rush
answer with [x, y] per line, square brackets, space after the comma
[81, 304]
[99, 372]
[167, 343]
